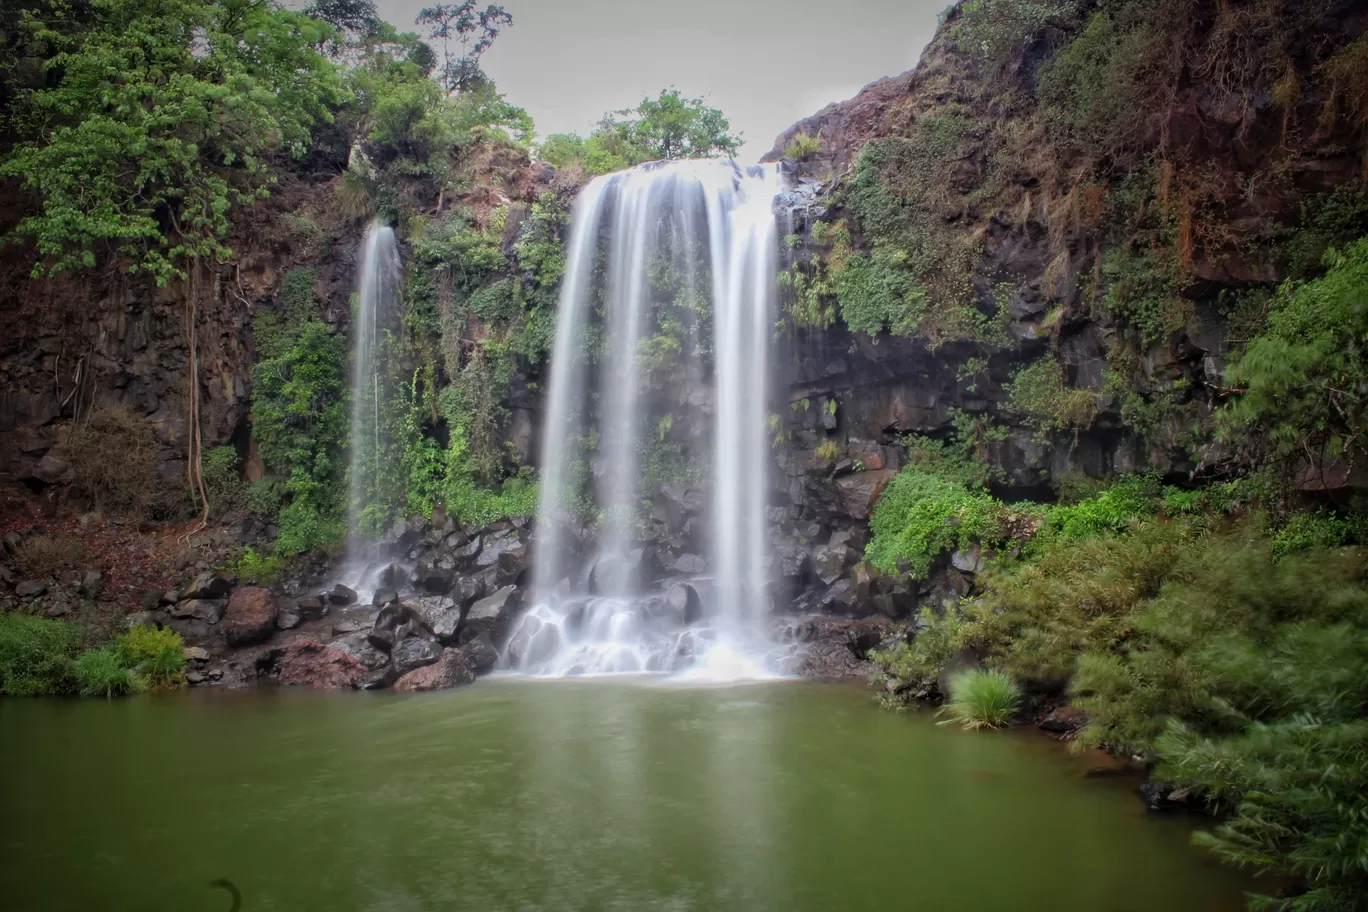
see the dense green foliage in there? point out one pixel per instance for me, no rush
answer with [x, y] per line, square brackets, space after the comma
[921, 515]
[1304, 381]
[668, 126]
[298, 414]
[158, 117]
[101, 673]
[41, 657]
[981, 698]
[37, 656]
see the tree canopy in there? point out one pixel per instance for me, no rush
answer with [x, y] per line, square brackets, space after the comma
[669, 126]
[157, 112]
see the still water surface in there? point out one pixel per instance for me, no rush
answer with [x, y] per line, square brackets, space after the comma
[523, 795]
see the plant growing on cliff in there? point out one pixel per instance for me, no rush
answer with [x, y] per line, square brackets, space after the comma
[921, 515]
[1304, 381]
[802, 146]
[298, 418]
[909, 672]
[157, 118]
[668, 126]
[128, 484]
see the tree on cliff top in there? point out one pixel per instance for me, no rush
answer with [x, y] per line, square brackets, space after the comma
[158, 117]
[667, 127]
[472, 30]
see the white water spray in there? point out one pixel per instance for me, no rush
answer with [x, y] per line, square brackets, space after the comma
[639, 242]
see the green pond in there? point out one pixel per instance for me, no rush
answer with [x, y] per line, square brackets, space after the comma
[583, 795]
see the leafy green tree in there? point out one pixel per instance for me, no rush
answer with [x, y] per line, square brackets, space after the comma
[669, 126]
[159, 117]
[1304, 380]
[471, 30]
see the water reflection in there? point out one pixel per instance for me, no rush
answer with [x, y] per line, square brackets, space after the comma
[525, 796]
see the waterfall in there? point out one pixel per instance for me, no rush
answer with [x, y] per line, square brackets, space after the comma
[375, 314]
[655, 446]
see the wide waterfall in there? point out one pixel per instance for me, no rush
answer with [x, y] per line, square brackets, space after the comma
[663, 333]
[374, 317]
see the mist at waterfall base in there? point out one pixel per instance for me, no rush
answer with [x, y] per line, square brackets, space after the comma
[710, 225]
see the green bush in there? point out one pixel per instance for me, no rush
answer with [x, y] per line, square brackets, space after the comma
[155, 654]
[1303, 379]
[920, 516]
[1111, 510]
[981, 698]
[37, 656]
[102, 673]
[910, 672]
[803, 146]
[1041, 394]
[251, 565]
[263, 498]
[223, 485]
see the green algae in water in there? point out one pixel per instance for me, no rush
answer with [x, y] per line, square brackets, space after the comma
[574, 795]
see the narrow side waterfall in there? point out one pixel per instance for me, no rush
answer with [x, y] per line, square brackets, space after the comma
[375, 314]
[650, 550]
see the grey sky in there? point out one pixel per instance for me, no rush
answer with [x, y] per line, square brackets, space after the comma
[765, 63]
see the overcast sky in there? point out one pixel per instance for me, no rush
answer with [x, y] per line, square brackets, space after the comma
[765, 63]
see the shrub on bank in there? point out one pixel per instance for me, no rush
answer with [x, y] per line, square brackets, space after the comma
[981, 698]
[37, 656]
[41, 657]
[102, 673]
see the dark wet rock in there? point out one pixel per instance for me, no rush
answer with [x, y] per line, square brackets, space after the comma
[150, 599]
[449, 670]
[513, 563]
[308, 663]
[829, 562]
[1064, 720]
[250, 617]
[342, 595]
[208, 586]
[963, 659]
[392, 623]
[210, 611]
[690, 563]
[383, 597]
[287, 619]
[439, 614]
[836, 648]
[1165, 796]
[465, 555]
[140, 619]
[414, 652]
[859, 492]
[683, 598]
[970, 561]
[434, 578]
[494, 547]
[863, 580]
[492, 614]
[391, 577]
[359, 647]
[92, 584]
[311, 607]
[533, 642]
[30, 589]
[480, 654]
[468, 590]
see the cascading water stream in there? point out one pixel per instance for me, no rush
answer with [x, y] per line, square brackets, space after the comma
[380, 274]
[672, 270]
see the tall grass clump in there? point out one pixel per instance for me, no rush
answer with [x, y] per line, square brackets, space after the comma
[102, 673]
[154, 654]
[981, 698]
